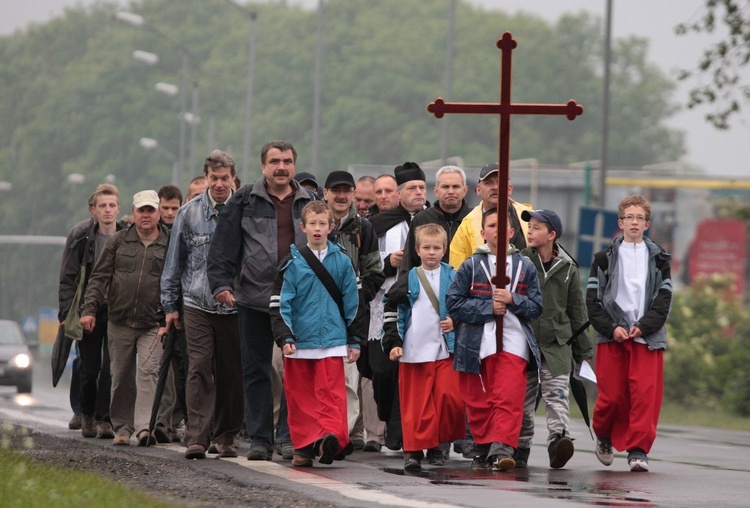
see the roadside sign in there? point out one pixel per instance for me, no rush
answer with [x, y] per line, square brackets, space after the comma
[596, 230]
[30, 326]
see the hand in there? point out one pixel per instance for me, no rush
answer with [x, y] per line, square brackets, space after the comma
[396, 258]
[88, 323]
[396, 353]
[620, 334]
[288, 349]
[446, 325]
[352, 354]
[635, 332]
[502, 295]
[227, 298]
[498, 308]
[172, 318]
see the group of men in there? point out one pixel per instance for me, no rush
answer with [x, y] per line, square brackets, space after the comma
[205, 270]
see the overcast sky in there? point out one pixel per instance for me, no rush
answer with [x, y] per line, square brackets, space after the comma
[718, 152]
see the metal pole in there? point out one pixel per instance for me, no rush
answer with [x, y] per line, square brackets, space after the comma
[605, 106]
[193, 130]
[448, 77]
[249, 99]
[316, 93]
[179, 171]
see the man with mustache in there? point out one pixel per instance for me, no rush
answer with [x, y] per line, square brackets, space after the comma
[469, 237]
[255, 231]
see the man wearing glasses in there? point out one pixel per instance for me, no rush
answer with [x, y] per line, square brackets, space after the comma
[254, 233]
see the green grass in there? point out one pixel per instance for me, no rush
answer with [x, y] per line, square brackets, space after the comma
[28, 484]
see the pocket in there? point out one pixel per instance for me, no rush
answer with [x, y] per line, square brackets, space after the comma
[156, 259]
[125, 259]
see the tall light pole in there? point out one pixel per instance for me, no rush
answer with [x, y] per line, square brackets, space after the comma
[317, 90]
[448, 92]
[138, 21]
[605, 107]
[245, 174]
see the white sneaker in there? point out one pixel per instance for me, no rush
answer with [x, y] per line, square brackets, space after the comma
[604, 451]
[637, 460]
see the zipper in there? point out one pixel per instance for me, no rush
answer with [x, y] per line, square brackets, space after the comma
[138, 289]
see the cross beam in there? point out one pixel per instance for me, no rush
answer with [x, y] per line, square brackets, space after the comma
[504, 109]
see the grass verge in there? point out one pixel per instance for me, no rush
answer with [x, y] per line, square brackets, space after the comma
[25, 483]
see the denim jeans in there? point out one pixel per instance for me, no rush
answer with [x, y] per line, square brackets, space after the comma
[256, 348]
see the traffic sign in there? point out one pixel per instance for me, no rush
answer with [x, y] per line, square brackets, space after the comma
[596, 230]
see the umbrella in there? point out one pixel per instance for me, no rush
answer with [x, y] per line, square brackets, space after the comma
[60, 353]
[577, 388]
[166, 361]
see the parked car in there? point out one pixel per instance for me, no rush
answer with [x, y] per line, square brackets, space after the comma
[15, 357]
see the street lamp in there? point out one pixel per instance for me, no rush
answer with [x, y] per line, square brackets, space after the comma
[138, 21]
[152, 144]
[249, 92]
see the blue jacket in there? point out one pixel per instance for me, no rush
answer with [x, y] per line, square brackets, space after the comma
[185, 264]
[302, 311]
[398, 304]
[469, 302]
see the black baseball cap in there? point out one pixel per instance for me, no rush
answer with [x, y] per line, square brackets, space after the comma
[306, 177]
[487, 170]
[547, 216]
[339, 178]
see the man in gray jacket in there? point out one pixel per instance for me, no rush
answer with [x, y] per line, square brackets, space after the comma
[126, 279]
[254, 233]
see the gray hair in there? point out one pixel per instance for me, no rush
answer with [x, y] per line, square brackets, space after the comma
[448, 170]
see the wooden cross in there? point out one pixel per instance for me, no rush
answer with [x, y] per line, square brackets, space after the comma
[505, 109]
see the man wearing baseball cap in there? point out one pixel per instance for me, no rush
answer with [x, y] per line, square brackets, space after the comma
[564, 313]
[356, 235]
[469, 234]
[126, 280]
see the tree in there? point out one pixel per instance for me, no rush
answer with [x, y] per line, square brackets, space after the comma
[722, 63]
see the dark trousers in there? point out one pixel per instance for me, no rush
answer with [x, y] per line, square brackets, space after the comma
[256, 345]
[214, 402]
[75, 382]
[385, 388]
[96, 381]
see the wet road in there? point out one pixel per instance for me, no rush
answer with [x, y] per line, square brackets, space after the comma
[690, 466]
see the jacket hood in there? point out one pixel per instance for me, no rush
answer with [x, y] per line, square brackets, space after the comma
[485, 249]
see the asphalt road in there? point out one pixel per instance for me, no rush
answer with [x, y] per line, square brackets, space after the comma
[690, 466]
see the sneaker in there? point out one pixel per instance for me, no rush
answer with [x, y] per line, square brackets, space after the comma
[372, 446]
[521, 456]
[227, 451]
[501, 462]
[76, 421]
[479, 463]
[637, 460]
[436, 457]
[286, 450]
[412, 464]
[604, 451]
[300, 461]
[160, 434]
[122, 438]
[560, 451]
[259, 452]
[328, 449]
[195, 451]
[145, 438]
[358, 444]
[88, 426]
[104, 431]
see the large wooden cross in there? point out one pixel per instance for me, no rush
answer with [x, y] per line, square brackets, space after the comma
[505, 109]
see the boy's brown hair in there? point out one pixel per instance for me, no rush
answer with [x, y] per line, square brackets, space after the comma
[430, 230]
[105, 189]
[316, 207]
[634, 200]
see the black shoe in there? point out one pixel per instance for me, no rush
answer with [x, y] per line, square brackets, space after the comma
[259, 452]
[436, 457]
[358, 444]
[412, 464]
[521, 456]
[347, 450]
[560, 451]
[160, 433]
[372, 446]
[328, 449]
[479, 463]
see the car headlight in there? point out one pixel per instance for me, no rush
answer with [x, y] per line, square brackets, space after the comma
[21, 361]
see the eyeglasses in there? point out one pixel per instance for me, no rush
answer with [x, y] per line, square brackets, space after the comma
[631, 218]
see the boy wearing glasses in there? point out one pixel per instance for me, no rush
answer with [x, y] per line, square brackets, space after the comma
[628, 296]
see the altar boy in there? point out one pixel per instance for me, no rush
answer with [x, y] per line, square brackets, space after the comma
[418, 333]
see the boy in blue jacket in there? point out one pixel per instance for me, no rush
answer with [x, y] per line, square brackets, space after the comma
[492, 382]
[418, 333]
[314, 332]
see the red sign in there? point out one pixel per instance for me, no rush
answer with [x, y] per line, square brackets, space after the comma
[719, 246]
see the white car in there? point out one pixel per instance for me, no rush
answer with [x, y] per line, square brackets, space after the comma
[15, 357]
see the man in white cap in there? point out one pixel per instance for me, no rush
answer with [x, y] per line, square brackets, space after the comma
[126, 280]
